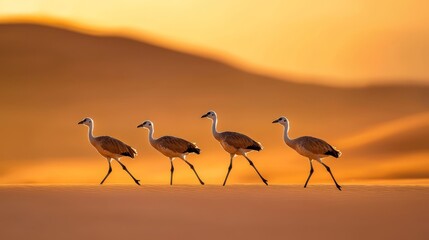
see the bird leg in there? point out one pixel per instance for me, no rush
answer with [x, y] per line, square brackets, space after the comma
[108, 172]
[126, 170]
[171, 171]
[253, 165]
[329, 170]
[311, 173]
[229, 170]
[193, 169]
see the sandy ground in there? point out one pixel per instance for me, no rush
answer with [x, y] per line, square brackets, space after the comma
[213, 212]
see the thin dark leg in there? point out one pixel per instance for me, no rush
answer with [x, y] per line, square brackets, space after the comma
[108, 172]
[229, 170]
[126, 170]
[329, 170]
[253, 165]
[193, 169]
[171, 172]
[311, 173]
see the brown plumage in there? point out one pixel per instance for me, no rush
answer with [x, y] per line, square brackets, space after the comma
[110, 148]
[235, 144]
[310, 147]
[116, 146]
[239, 141]
[172, 147]
[315, 146]
[176, 144]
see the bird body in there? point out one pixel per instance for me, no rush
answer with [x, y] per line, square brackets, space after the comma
[234, 143]
[313, 148]
[110, 148]
[237, 143]
[310, 147]
[172, 147]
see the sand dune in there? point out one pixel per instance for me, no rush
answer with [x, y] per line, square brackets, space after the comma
[52, 78]
[408, 134]
[394, 150]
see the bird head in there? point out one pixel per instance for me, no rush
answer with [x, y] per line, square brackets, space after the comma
[210, 114]
[146, 124]
[86, 121]
[282, 120]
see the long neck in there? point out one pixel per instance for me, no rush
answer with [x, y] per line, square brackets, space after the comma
[214, 128]
[286, 137]
[151, 139]
[90, 134]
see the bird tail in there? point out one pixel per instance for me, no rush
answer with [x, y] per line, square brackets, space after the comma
[193, 150]
[334, 152]
[256, 147]
[132, 152]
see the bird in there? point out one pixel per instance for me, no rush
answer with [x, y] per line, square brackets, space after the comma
[310, 147]
[172, 147]
[110, 148]
[235, 144]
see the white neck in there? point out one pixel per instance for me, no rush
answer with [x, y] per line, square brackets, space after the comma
[151, 130]
[286, 135]
[90, 129]
[214, 128]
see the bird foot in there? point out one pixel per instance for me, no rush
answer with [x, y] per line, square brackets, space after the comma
[137, 182]
[202, 183]
[339, 187]
[265, 181]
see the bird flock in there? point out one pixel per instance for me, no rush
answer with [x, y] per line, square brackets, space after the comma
[232, 142]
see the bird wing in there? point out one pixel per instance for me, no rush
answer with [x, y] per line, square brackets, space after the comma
[175, 144]
[314, 145]
[116, 146]
[239, 140]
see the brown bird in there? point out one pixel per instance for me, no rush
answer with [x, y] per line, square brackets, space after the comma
[310, 147]
[235, 144]
[172, 147]
[110, 148]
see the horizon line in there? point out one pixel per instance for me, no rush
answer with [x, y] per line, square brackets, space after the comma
[206, 185]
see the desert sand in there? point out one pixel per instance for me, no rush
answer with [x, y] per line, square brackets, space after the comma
[213, 212]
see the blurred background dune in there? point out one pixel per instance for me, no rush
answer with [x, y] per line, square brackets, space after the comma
[52, 77]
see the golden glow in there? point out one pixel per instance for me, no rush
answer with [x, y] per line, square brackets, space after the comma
[330, 42]
[394, 128]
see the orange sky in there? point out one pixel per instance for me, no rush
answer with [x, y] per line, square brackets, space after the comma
[331, 42]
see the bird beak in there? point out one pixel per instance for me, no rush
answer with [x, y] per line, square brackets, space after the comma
[205, 115]
[139, 126]
[276, 121]
[81, 122]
